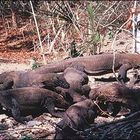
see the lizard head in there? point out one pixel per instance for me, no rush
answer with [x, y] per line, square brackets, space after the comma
[61, 102]
[60, 81]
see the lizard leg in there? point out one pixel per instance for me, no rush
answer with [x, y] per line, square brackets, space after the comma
[136, 78]
[8, 84]
[62, 91]
[61, 81]
[85, 90]
[63, 130]
[91, 116]
[59, 131]
[50, 105]
[16, 112]
[122, 75]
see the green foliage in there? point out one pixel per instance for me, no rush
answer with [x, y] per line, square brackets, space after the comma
[90, 13]
[110, 34]
[33, 64]
[93, 42]
[94, 36]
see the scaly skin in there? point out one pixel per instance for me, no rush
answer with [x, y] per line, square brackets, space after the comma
[72, 76]
[78, 81]
[77, 117]
[117, 94]
[27, 79]
[93, 64]
[30, 98]
[96, 64]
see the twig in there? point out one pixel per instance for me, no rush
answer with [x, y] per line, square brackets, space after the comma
[42, 50]
[131, 34]
[132, 116]
[113, 20]
[102, 110]
[101, 18]
[51, 21]
[75, 23]
[113, 11]
[133, 25]
[54, 40]
[112, 46]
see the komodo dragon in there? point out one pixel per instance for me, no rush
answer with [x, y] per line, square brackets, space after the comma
[73, 96]
[75, 77]
[96, 64]
[116, 95]
[78, 81]
[27, 79]
[32, 98]
[77, 117]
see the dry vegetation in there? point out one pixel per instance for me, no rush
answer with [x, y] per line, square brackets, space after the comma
[91, 24]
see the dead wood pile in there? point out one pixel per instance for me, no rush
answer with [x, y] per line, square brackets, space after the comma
[126, 128]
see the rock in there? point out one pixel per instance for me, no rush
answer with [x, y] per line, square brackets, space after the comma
[103, 120]
[10, 122]
[40, 118]
[47, 114]
[21, 126]
[43, 133]
[2, 117]
[15, 135]
[32, 123]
